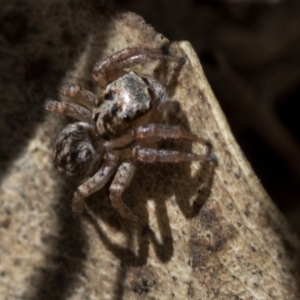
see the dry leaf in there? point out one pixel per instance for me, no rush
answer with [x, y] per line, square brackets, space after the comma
[214, 232]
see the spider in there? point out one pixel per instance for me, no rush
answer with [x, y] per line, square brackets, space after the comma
[118, 127]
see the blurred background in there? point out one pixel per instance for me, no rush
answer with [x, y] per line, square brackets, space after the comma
[250, 51]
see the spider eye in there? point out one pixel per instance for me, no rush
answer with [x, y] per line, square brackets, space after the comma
[151, 93]
[126, 118]
[109, 96]
[145, 80]
[114, 109]
[96, 117]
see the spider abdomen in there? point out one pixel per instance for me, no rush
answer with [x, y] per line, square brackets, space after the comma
[75, 153]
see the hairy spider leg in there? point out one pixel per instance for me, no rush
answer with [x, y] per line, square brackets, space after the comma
[112, 67]
[160, 91]
[152, 133]
[79, 94]
[150, 155]
[70, 109]
[121, 181]
[95, 183]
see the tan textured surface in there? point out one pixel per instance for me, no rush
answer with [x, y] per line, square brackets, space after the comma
[215, 233]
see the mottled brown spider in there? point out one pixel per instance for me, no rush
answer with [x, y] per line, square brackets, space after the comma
[118, 127]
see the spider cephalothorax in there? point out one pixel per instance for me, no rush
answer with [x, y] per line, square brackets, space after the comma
[125, 100]
[115, 127]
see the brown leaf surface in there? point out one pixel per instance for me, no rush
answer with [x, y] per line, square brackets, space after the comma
[215, 233]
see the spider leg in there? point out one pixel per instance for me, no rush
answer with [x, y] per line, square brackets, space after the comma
[160, 92]
[79, 94]
[152, 133]
[112, 67]
[94, 184]
[166, 156]
[164, 131]
[70, 109]
[119, 184]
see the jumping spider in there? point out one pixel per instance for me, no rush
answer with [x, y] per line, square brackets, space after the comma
[117, 128]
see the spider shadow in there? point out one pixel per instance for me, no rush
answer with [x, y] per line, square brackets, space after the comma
[160, 183]
[57, 277]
